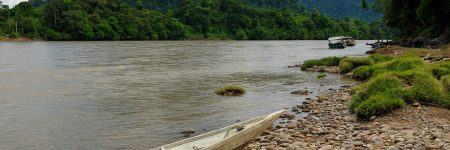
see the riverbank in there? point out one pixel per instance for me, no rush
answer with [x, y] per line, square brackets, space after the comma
[400, 105]
[19, 39]
[328, 125]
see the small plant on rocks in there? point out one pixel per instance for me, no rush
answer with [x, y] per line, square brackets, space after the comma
[230, 90]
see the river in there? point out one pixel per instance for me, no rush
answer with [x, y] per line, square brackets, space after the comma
[141, 94]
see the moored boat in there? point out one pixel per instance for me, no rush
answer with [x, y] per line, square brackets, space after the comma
[336, 43]
[349, 41]
[341, 42]
[226, 138]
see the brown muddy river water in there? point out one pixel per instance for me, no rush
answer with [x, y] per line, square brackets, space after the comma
[139, 95]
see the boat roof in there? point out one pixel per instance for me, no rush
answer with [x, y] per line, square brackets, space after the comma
[339, 38]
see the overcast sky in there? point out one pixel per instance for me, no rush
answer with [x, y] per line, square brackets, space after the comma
[11, 2]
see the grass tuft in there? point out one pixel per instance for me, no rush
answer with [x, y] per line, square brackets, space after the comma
[348, 64]
[230, 90]
[362, 73]
[404, 63]
[379, 58]
[446, 83]
[440, 69]
[322, 75]
[386, 84]
[422, 87]
[378, 104]
[327, 61]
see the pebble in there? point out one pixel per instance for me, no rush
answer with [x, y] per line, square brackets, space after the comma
[188, 131]
[291, 125]
[327, 147]
[377, 140]
[284, 145]
[399, 140]
[358, 143]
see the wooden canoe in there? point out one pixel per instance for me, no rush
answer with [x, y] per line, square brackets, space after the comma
[226, 138]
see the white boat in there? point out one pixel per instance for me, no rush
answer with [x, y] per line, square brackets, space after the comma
[341, 42]
[227, 138]
[336, 42]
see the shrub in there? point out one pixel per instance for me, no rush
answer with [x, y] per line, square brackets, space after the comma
[404, 63]
[426, 90]
[379, 58]
[327, 61]
[386, 84]
[346, 67]
[378, 104]
[446, 83]
[348, 64]
[362, 73]
[230, 90]
[439, 72]
[322, 75]
[392, 83]
[440, 69]
[422, 87]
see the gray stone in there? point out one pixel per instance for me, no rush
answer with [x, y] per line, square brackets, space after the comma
[358, 143]
[432, 146]
[285, 145]
[269, 147]
[436, 135]
[393, 148]
[413, 142]
[265, 144]
[327, 147]
[264, 141]
[409, 146]
[377, 140]
[188, 131]
[284, 141]
[399, 140]
[291, 125]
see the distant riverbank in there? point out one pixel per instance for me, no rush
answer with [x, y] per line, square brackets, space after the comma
[19, 39]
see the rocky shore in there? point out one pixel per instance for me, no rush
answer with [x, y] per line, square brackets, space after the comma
[325, 123]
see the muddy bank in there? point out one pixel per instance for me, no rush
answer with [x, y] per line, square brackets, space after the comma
[329, 125]
[19, 39]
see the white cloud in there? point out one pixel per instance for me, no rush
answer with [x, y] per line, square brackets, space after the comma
[11, 3]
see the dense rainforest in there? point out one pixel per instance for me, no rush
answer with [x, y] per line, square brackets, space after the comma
[175, 20]
[422, 21]
[343, 9]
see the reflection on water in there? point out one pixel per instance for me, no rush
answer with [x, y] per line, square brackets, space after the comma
[136, 95]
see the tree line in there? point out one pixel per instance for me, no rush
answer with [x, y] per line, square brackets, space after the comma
[417, 18]
[177, 20]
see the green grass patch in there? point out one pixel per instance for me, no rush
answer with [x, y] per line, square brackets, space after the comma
[327, 61]
[422, 87]
[348, 64]
[322, 75]
[392, 83]
[440, 69]
[378, 104]
[362, 73]
[379, 58]
[230, 90]
[446, 83]
[386, 84]
[404, 63]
